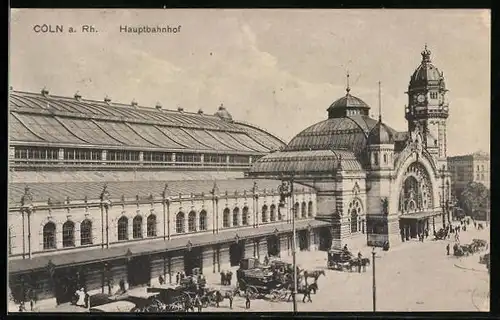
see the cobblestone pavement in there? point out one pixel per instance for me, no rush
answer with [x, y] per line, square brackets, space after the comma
[414, 276]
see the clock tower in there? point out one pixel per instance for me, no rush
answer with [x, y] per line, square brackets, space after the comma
[427, 110]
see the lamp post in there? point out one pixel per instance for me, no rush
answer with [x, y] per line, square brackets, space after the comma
[374, 284]
[286, 191]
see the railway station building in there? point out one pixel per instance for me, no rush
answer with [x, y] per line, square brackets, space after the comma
[100, 190]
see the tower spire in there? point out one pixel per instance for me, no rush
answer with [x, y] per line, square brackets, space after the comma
[347, 89]
[379, 101]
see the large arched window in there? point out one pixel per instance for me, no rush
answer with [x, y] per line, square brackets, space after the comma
[355, 211]
[49, 236]
[123, 229]
[416, 192]
[137, 227]
[203, 220]
[179, 223]
[192, 221]
[304, 210]
[68, 234]
[264, 213]
[86, 232]
[296, 209]
[272, 216]
[151, 225]
[225, 218]
[244, 216]
[310, 209]
[236, 217]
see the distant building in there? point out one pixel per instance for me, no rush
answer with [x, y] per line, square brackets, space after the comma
[467, 168]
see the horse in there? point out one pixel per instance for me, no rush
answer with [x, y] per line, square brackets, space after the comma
[360, 262]
[306, 291]
[220, 295]
[315, 274]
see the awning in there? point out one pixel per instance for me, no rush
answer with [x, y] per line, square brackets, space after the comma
[420, 215]
[156, 246]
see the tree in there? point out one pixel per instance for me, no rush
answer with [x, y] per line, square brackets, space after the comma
[475, 196]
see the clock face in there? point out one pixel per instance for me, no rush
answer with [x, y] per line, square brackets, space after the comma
[420, 98]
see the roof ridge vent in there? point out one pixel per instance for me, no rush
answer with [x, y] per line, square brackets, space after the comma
[158, 106]
[107, 100]
[200, 111]
[45, 92]
[133, 103]
[180, 109]
[78, 96]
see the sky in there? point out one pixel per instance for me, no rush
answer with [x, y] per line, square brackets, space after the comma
[277, 69]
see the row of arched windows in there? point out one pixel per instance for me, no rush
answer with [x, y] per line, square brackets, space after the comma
[180, 222]
[123, 233]
[303, 210]
[194, 223]
[68, 234]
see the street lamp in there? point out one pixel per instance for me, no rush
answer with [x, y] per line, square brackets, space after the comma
[286, 191]
[374, 285]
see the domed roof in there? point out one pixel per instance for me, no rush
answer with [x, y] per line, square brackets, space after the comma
[380, 134]
[349, 101]
[348, 133]
[223, 113]
[341, 107]
[426, 71]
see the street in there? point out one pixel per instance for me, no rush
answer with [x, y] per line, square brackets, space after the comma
[413, 276]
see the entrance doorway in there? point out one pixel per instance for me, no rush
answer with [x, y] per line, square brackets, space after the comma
[273, 246]
[325, 239]
[236, 253]
[138, 271]
[65, 282]
[303, 240]
[192, 259]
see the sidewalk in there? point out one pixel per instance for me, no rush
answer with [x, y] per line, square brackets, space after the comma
[471, 263]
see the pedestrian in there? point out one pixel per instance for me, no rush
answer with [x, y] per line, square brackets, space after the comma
[448, 249]
[247, 300]
[427, 233]
[266, 260]
[177, 277]
[161, 280]
[86, 299]
[475, 225]
[229, 277]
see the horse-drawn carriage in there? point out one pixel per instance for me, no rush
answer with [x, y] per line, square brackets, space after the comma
[339, 260]
[259, 282]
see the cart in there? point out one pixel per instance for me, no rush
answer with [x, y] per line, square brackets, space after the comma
[339, 260]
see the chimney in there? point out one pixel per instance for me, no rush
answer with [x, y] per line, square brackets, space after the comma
[107, 100]
[158, 106]
[200, 111]
[180, 109]
[133, 103]
[45, 92]
[78, 96]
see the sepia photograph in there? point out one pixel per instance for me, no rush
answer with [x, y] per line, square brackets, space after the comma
[248, 160]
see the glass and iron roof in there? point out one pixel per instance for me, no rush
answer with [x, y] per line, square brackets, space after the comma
[55, 120]
[77, 191]
[311, 161]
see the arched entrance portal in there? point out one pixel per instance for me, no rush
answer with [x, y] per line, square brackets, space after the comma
[273, 246]
[236, 253]
[415, 202]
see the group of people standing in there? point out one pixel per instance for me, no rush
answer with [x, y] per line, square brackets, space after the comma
[226, 278]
